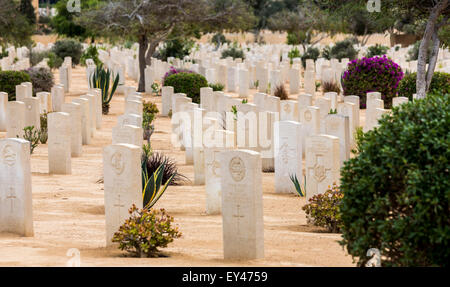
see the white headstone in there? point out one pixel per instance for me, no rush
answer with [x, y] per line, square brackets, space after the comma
[288, 155]
[59, 143]
[338, 126]
[242, 206]
[166, 95]
[15, 119]
[76, 138]
[123, 184]
[3, 107]
[127, 134]
[16, 210]
[86, 130]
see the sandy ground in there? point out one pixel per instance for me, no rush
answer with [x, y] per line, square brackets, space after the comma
[68, 212]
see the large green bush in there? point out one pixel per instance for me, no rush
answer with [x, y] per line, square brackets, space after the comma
[397, 189]
[90, 53]
[233, 52]
[377, 50]
[378, 74]
[68, 48]
[342, 49]
[10, 79]
[175, 48]
[440, 84]
[187, 83]
[42, 79]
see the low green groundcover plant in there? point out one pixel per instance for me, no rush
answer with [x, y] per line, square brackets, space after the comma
[145, 231]
[10, 79]
[397, 189]
[323, 209]
[378, 74]
[187, 83]
[440, 84]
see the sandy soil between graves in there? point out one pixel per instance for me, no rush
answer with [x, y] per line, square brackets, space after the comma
[68, 213]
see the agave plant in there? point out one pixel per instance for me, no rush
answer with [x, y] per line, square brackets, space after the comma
[101, 79]
[297, 185]
[153, 190]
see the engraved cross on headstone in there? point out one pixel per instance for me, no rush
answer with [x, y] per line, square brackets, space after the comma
[11, 197]
[119, 205]
[238, 216]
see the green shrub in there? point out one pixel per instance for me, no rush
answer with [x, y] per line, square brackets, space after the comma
[440, 84]
[311, 53]
[323, 209]
[146, 231]
[397, 189]
[343, 49]
[154, 160]
[54, 62]
[378, 74]
[219, 39]
[233, 52]
[174, 48]
[42, 79]
[32, 135]
[10, 79]
[187, 83]
[377, 50]
[326, 52]
[217, 87]
[293, 39]
[4, 53]
[68, 48]
[413, 52]
[43, 132]
[90, 53]
[294, 53]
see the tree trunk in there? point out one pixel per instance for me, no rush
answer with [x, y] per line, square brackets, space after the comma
[143, 43]
[151, 50]
[421, 83]
[433, 58]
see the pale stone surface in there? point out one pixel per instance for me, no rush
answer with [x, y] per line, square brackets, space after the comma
[198, 146]
[242, 206]
[259, 99]
[15, 119]
[338, 126]
[127, 134]
[371, 113]
[16, 211]
[397, 101]
[262, 76]
[166, 94]
[29, 89]
[333, 97]
[129, 119]
[243, 83]
[134, 107]
[304, 100]
[273, 104]
[86, 131]
[57, 94]
[232, 79]
[123, 184]
[349, 109]
[45, 102]
[288, 110]
[275, 80]
[212, 168]
[288, 154]
[294, 80]
[32, 115]
[266, 135]
[21, 92]
[59, 143]
[354, 100]
[76, 138]
[207, 99]
[98, 107]
[3, 107]
[310, 84]
[324, 105]
[92, 111]
[322, 164]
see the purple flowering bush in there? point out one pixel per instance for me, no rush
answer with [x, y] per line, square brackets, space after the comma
[173, 71]
[377, 74]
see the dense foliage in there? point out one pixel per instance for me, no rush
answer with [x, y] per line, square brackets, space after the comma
[440, 84]
[377, 50]
[187, 83]
[378, 74]
[281, 92]
[10, 79]
[146, 231]
[42, 79]
[68, 48]
[174, 70]
[342, 49]
[90, 53]
[174, 48]
[397, 189]
[311, 53]
[233, 52]
[323, 209]
[153, 160]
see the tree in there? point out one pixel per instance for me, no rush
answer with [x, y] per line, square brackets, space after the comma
[64, 22]
[14, 26]
[152, 22]
[27, 9]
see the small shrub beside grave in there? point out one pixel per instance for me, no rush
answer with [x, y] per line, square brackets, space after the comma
[10, 79]
[187, 83]
[440, 84]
